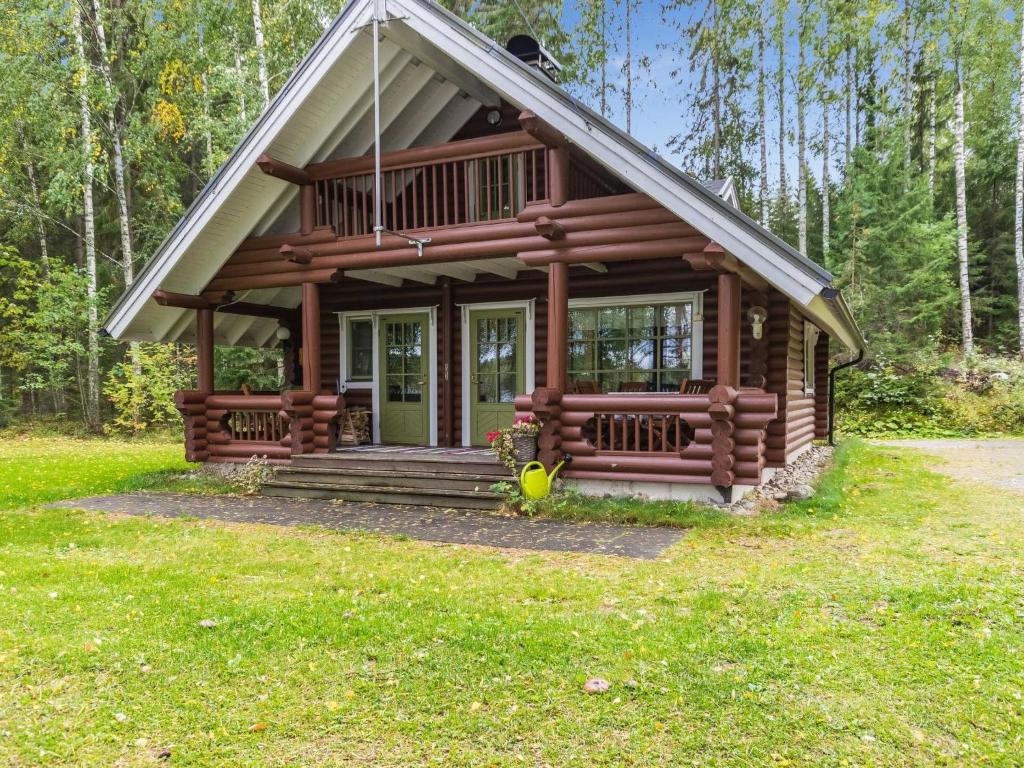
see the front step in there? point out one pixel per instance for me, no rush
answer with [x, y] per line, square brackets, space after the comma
[457, 479]
[384, 495]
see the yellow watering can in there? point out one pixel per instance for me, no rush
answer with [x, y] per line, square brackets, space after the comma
[536, 482]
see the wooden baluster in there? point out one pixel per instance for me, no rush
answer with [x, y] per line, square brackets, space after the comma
[444, 195]
[465, 186]
[499, 162]
[415, 202]
[650, 434]
[433, 191]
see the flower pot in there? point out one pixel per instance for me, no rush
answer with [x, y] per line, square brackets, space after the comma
[525, 449]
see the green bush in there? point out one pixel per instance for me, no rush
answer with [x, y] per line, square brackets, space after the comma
[932, 397]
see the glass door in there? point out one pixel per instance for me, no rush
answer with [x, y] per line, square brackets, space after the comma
[405, 368]
[496, 370]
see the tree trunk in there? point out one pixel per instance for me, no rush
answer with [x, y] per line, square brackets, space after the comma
[1018, 222]
[716, 94]
[30, 169]
[908, 86]
[91, 403]
[114, 126]
[603, 16]
[826, 107]
[261, 52]
[240, 80]
[780, 82]
[762, 118]
[932, 107]
[801, 127]
[208, 166]
[628, 66]
[848, 135]
[966, 315]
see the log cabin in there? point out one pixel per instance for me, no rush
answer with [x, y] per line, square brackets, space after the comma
[440, 238]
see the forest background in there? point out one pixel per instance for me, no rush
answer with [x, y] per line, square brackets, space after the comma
[885, 140]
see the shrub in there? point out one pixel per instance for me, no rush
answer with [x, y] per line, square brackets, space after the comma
[250, 477]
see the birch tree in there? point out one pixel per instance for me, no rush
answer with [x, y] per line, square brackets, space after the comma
[762, 128]
[1018, 220]
[261, 52]
[117, 145]
[826, 137]
[30, 171]
[801, 98]
[91, 406]
[780, 91]
[959, 155]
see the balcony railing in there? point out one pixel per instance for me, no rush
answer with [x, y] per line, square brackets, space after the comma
[458, 183]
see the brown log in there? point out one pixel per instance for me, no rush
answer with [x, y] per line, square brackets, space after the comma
[279, 280]
[594, 206]
[467, 149]
[548, 229]
[540, 130]
[281, 170]
[624, 251]
[296, 254]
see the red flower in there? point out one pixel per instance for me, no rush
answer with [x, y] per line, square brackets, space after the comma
[492, 436]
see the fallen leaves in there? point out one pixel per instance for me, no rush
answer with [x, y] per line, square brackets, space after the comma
[258, 727]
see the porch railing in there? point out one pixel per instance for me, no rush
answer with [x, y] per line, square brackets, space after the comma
[664, 438]
[233, 427]
[467, 182]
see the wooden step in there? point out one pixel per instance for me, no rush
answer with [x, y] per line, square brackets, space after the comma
[458, 499]
[408, 478]
[395, 463]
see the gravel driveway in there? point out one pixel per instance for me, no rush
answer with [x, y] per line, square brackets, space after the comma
[998, 463]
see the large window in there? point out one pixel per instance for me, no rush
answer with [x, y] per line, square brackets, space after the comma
[634, 347]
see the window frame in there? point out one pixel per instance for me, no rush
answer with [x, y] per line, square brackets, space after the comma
[345, 338]
[694, 298]
[811, 336]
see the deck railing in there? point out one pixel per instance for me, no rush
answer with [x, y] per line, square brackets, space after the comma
[656, 438]
[232, 427]
[462, 183]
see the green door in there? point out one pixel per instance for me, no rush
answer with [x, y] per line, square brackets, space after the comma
[496, 372]
[405, 380]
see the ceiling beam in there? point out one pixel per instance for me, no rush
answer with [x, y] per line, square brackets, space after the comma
[375, 276]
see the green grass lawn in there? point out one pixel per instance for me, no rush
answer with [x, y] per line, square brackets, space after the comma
[879, 624]
[34, 470]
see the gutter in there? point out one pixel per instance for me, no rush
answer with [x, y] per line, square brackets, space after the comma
[832, 392]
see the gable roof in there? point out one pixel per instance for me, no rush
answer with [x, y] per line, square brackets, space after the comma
[322, 107]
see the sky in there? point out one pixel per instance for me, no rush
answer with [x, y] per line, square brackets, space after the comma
[661, 101]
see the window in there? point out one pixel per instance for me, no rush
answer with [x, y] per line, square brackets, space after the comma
[650, 344]
[360, 349]
[811, 334]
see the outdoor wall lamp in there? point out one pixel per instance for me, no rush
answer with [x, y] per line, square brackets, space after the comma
[757, 317]
[283, 333]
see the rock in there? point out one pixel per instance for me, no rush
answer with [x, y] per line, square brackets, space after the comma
[631, 683]
[801, 492]
[780, 495]
[207, 623]
[596, 685]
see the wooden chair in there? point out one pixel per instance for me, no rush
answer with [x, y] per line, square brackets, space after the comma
[695, 386]
[586, 387]
[634, 386]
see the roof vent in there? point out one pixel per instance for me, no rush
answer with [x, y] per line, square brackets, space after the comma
[526, 49]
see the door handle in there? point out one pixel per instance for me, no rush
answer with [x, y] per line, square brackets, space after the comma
[474, 379]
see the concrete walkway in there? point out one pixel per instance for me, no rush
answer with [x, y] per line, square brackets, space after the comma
[999, 463]
[423, 523]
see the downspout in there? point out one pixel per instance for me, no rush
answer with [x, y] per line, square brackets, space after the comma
[832, 392]
[378, 226]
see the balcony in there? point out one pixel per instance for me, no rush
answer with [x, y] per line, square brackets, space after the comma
[463, 182]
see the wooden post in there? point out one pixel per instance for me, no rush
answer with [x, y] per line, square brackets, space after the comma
[558, 325]
[729, 320]
[311, 337]
[558, 176]
[307, 208]
[448, 364]
[204, 350]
